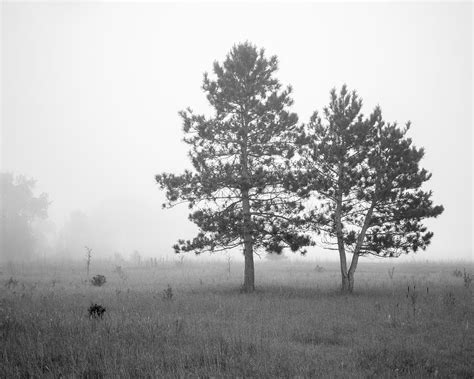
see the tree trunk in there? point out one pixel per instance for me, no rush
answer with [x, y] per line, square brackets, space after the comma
[249, 272]
[350, 281]
[360, 240]
[343, 264]
[340, 236]
[344, 276]
[345, 283]
[351, 272]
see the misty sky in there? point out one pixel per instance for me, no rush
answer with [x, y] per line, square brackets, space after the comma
[90, 95]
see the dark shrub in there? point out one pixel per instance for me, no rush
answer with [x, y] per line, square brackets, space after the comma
[96, 311]
[98, 280]
[168, 293]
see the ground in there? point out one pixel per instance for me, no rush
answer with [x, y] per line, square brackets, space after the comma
[190, 320]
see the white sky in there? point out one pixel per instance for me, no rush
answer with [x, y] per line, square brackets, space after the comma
[90, 93]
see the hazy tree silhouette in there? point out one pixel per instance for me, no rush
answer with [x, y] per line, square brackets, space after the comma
[19, 208]
[366, 176]
[240, 157]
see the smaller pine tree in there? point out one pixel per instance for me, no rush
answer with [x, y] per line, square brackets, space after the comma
[366, 176]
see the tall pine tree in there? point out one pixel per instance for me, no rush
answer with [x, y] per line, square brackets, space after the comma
[367, 180]
[241, 157]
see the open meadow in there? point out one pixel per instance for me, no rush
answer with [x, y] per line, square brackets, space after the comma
[190, 320]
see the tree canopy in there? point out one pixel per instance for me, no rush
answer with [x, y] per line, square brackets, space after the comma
[366, 177]
[241, 158]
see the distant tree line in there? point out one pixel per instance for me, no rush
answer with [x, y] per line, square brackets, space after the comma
[263, 181]
[26, 232]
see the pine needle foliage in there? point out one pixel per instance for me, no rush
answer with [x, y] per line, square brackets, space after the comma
[367, 178]
[241, 159]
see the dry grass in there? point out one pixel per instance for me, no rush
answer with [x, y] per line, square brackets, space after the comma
[295, 325]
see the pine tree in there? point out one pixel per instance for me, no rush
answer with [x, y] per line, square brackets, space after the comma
[241, 158]
[367, 180]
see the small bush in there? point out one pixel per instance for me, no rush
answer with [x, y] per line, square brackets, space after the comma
[98, 280]
[457, 273]
[318, 268]
[168, 293]
[96, 311]
[467, 279]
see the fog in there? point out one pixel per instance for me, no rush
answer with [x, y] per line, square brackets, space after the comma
[90, 94]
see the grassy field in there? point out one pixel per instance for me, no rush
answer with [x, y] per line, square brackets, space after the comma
[417, 322]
